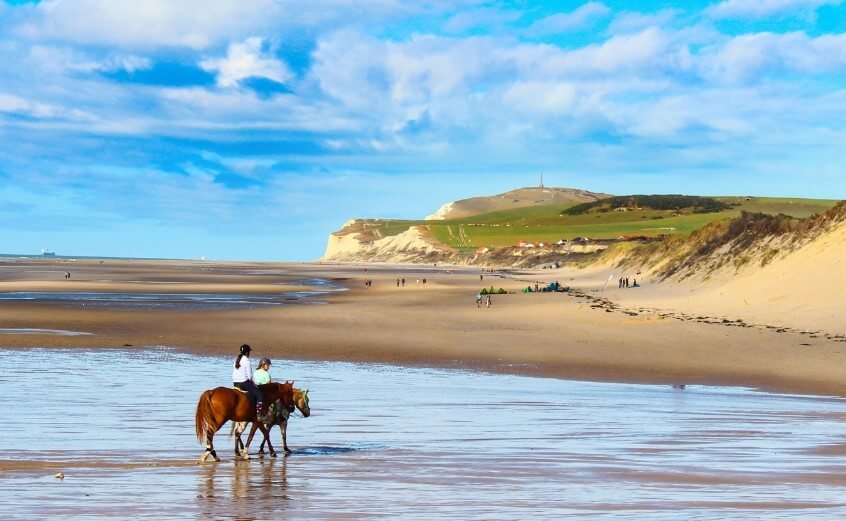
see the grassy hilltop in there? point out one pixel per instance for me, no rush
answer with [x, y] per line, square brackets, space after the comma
[605, 219]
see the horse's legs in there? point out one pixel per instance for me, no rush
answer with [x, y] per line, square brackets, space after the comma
[283, 426]
[237, 429]
[209, 447]
[261, 447]
[259, 425]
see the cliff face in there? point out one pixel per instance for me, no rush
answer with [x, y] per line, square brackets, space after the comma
[359, 242]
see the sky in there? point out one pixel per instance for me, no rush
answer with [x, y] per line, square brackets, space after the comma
[237, 130]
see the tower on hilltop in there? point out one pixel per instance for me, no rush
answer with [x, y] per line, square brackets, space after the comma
[541, 181]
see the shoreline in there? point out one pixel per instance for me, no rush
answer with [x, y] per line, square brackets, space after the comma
[438, 325]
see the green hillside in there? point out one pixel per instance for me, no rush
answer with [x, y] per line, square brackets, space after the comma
[550, 223]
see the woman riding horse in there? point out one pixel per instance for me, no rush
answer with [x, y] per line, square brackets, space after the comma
[222, 404]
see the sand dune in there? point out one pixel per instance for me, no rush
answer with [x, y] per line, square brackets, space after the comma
[804, 289]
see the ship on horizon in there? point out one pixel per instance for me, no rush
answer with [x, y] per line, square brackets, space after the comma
[47, 253]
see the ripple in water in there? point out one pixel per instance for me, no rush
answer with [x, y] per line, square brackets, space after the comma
[410, 443]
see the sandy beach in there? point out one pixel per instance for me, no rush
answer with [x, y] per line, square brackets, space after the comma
[638, 335]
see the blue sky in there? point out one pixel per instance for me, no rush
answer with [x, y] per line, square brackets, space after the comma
[251, 130]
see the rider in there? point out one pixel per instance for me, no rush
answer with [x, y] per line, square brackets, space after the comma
[242, 378]
[262, 375]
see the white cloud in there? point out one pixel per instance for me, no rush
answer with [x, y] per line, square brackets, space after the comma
[761, 8]
[246, 60]
[630, 21]
[748, 56]
[190, 23]
[483, 17]
[197, 24]
[565, 22]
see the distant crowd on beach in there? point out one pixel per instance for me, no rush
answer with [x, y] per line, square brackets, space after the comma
[624, 283]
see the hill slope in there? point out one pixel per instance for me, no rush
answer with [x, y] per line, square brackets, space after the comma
[460, 240]
[519, 198]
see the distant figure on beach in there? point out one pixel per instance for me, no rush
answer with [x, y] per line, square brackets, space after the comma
[537, 288]
[418, 282]
[481, 278]
[403, 282]
[397, 282]
[67, 274]
[489, 301]
[634, 284]
[627, 282]
[424, 282]
[478, 300]
[620, 283]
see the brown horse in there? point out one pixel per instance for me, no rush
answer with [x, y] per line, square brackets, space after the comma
[222, 404]
[281, 419]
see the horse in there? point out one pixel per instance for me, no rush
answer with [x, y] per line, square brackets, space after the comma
[221, 404]
[281, 419]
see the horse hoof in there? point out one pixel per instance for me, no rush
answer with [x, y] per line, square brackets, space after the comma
[272, 454]
[216, 459]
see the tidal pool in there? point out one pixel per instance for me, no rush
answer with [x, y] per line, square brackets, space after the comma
[399, 442]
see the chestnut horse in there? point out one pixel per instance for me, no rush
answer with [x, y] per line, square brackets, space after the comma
[222, 404]
[281, 419]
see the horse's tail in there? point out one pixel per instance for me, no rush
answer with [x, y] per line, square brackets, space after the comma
[202, 419]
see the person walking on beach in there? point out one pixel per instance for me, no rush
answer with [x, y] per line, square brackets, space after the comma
[478, 300]
[242, 378]
[489, 301]
[397, 282]
[403, 282]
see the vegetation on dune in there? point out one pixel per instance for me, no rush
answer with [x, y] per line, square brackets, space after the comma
[736, 242]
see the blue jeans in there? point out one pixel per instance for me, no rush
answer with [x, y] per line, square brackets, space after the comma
[252, 390]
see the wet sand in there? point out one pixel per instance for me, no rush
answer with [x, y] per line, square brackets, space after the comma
[573, 335]
[412, 443]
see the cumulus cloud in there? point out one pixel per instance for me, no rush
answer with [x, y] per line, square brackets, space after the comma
[247, 59]
[565, 22]
[631, 21]
[482, 17]
[197, 24]
[740, 9]
[749, 56]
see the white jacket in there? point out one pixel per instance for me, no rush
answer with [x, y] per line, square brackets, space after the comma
[243, 373]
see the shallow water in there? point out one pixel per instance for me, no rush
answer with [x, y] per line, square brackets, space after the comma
[411, 443]
[163, 301]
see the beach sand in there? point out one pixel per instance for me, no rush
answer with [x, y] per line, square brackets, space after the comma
[587, 334]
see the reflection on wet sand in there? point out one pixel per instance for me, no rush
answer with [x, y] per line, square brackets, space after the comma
[242, 488]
